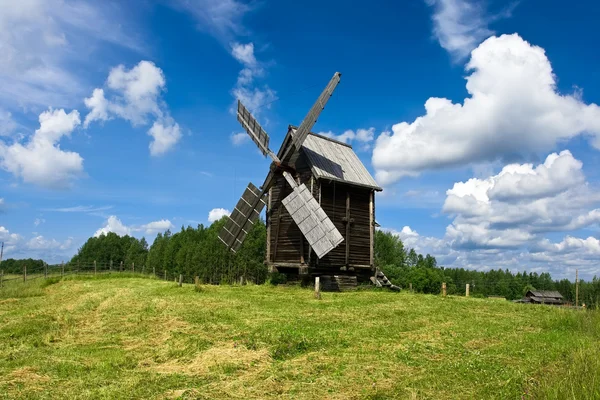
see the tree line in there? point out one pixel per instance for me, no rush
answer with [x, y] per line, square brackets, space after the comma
[199, 252]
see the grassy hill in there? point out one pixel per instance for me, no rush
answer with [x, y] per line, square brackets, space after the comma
[111, 338]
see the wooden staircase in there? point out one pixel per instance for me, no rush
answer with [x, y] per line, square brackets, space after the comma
[380, 280]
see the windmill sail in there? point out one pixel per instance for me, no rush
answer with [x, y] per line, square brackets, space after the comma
[312, 116]
[256, 132]
[243, 217]
[315, 225]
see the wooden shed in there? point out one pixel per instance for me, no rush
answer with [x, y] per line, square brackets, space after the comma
[345, 190]
[542, 297]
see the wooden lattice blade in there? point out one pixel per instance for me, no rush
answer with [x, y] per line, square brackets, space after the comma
[244, 216]
[315, 225]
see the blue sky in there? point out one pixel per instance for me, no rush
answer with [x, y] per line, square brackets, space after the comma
[478, 118]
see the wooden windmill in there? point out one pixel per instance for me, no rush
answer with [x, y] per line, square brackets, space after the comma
[320, 202]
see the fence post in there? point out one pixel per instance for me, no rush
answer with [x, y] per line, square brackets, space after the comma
[467, 291]
[110, 266]
[24, 273]
[444, 289]
[45, 271]
[153, 271]
[133, 267]
[62, 269]
[121, 267]
[410, 287]
[197, 282]
[318, 288]
[94, 267]
[180, 280]
[143, 269]
[165, 274]
[1, 278]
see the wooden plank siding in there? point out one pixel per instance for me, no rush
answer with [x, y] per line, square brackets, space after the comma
[292, 248]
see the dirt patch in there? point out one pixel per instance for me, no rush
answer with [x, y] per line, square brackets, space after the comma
[28, 377]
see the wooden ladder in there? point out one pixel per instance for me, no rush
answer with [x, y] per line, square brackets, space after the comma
[380, 280]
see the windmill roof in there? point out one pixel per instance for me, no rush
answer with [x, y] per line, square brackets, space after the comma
[333, 160]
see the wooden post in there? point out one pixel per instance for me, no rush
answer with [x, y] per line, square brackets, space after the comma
[153, 271]
[1, 278]
[180, 280]
[372, 229]
[24, 273]
[444, 289]
[410, 286]
[62, 269]
[45, 271]
[110, 266]
[94, 267]
[576, 288]
[133, 267]
[347, 238]
[165, 274]
[467, 291]
[121, 267]
[197, 282]
[317, 288]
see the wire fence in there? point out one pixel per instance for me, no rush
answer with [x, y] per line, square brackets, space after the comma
[89, 269]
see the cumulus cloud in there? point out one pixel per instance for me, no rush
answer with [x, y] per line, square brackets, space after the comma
[501, 221]
[157, 226]
[7, 124]
[114, 224]
[513, 109]
[42, 243]
[216, 214]
[38, 246]
[40, 160]
[135, 95]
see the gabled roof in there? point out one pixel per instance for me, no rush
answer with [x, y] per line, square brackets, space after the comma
[330, 159]
[545, 294]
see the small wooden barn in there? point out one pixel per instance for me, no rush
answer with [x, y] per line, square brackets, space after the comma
[344, 189]
[543, 297]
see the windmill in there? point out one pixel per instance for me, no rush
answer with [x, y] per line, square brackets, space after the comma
[307, 192]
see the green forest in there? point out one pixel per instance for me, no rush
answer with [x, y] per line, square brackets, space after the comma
[198, 252]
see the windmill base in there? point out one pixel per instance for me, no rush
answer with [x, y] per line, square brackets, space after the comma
[344, 277]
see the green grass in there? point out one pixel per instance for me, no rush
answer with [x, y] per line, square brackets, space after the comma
[108, 337]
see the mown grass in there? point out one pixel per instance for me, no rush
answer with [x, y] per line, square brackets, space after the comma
[106, 337]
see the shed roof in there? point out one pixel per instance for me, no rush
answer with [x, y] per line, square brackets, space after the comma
[333, 160]
[545, 294]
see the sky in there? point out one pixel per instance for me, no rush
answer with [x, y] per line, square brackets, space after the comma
[478, 118]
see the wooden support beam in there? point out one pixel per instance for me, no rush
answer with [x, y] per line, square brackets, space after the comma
[444, 289]
[268, 222]
[467, 290]
[347, 238]
[371, 227]
[279, 207]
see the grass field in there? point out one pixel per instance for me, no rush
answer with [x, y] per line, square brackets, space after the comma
[108, 337]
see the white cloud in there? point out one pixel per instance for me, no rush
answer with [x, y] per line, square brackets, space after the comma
[41, 161]
[245, 90]
[239, 138]
[41, 243]
[113, 224]
[166, 134]
[221, 18]
[136, 97]
[157, 226]
[7, 124]
[38, 221]
[459, 25]
[41, 40]
[216, 214]
[363, 136]
[513, 109]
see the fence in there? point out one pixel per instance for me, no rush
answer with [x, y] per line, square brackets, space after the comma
[91, 269]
